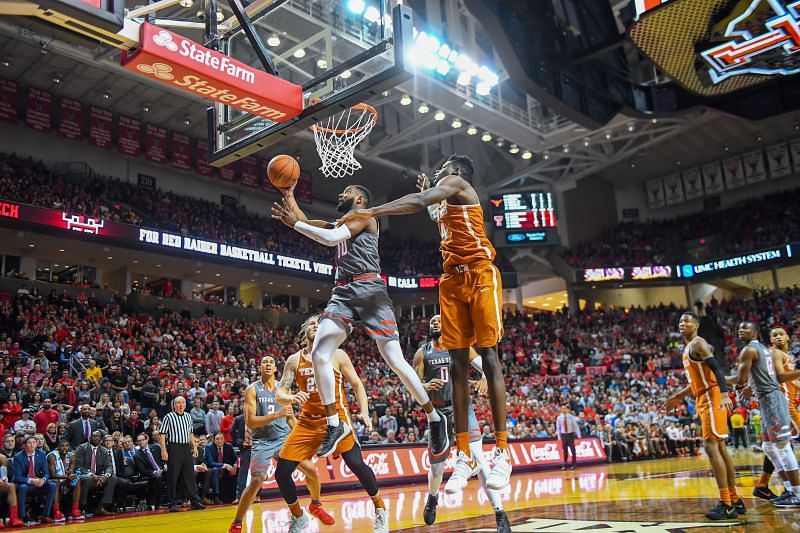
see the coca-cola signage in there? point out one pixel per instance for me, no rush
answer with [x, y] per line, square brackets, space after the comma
[407, 463]
[182, 63]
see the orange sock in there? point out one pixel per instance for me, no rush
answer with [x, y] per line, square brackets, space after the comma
[501, 439]
[734, 494]
[378, 502]
[462, 443]
[297, 512]
[725, 496]
[763, 481]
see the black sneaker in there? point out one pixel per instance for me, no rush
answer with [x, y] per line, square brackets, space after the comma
[764, 493]
[430, 509]
[503, 525]
[722, 512]
[787, 500]
[739, 506]
[440, 442]
[333, 435]
[197, 506]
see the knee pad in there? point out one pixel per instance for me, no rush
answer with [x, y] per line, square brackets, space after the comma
[786, 454]
[284, 470]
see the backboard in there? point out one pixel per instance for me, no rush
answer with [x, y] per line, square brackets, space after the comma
[340, 52]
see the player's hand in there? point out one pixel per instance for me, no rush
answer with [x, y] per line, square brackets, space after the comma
[435, 384]
[672, 402]
[726, 403]
[480, 385]
[354, 215]
[367, 421]
[287, 191]
[282, 212]
[164, 456]
[744, 394]
[300, 398]
[287, 411]
[423, 183]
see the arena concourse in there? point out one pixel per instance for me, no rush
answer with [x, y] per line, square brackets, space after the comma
[578, 219]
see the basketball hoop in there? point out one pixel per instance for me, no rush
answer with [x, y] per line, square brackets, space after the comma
[337, 138]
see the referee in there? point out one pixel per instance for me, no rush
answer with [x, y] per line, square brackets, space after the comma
[180, 446]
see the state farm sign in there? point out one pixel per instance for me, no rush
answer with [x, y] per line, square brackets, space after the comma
[175, 60]
[399, 464]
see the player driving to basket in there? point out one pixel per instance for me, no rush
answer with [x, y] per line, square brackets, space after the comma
[470, 297]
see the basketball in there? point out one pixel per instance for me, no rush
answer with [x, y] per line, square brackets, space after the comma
[283, 171]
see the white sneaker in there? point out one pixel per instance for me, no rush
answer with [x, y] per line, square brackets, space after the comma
[465, 468]
[381, 521]
[298, 523]
[500, 475]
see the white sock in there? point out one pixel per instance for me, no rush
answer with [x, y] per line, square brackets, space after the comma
[435, 475]
[494, 496]
[393, 354]
[788, 485]
[333, 420]
[329, 336]
[433, 416]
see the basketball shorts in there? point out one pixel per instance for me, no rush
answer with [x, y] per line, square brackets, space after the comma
[775, 419]
[474, 430]
[471, 306]
[306, 436]
[713, 418]
[262, 452]
[794, 418]
[366, 300]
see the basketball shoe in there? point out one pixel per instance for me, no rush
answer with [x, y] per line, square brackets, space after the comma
[500, 474]
[465, 468]
[333, 436]
[429, 514]
[298, 523]
[321, 514]
[381, 521]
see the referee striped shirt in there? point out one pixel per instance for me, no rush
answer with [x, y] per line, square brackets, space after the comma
[177, 427]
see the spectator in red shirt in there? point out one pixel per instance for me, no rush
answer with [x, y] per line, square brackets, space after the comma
[46, 416]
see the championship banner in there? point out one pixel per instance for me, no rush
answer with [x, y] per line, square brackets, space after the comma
[754, 169]
[778, 158]
[70, 119]
[404, 464]
[249, 171]
[692, 183]
[712, 178]
[129, 132]
[181, 151]
[201, 159]
[228, 172]
[673, 189]
[155, 144]
[303, 191]
[38, 113]
[100, 127]
[734, 172]
[655, 193]
[9, 101]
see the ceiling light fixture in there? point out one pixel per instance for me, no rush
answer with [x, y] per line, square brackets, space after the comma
[405, 100]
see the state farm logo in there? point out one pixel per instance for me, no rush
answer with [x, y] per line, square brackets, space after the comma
[164, 38]
[161, 71]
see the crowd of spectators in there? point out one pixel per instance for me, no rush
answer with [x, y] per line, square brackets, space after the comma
[750, 225]
[30, 181]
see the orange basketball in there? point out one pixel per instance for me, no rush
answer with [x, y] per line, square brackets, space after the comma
[283, 171]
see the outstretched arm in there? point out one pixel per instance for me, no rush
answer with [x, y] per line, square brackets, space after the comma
[325, 234]
[288, 195]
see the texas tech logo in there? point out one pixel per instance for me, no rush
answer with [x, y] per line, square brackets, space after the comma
[761, 37]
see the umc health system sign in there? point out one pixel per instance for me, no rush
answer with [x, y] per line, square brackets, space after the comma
[182, 63]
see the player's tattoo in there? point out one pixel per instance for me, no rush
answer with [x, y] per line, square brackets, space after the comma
[287, 379]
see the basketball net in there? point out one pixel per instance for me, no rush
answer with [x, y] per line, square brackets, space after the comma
[337, 138]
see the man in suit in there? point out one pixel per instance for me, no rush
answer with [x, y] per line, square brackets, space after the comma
[92, 466]
[221, 462]
[150, 468]
[124, 485]
[32, 478]
[567, 430]
[81, 430]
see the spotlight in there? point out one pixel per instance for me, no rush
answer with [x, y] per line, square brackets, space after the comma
[565, 148]
[439, 115]
[146, 108]
[486, 137]
[345, 75]
[500, 143]
[482, 88]
[58, 78]
[299, 53]
[546, 156]
[527, 155]
[356, 6]
[464, 78]
[586, 142]
[372, 14]
[631, 126]
[423, 108]
[608, 135]
[106, 95]
[273, 40]
[187, 121]
[6, 62]
[654, 120]
[456, 123]
[220, 16]
[513, 149]
[186, 3]
[472, 130]
[405, 100]
[321, 63]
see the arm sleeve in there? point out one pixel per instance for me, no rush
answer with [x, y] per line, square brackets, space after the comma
[714, 365]
[477, 364]
[327, 237]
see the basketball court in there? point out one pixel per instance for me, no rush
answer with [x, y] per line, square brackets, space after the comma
[668, 495]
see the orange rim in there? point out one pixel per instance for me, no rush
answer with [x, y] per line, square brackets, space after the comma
[358, 107]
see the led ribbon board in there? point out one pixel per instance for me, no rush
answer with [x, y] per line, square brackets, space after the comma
[714, 47]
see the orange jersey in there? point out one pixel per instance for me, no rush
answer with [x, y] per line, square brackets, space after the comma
[463, 236]
[305, 382]
[700, 376]
[789, 388]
